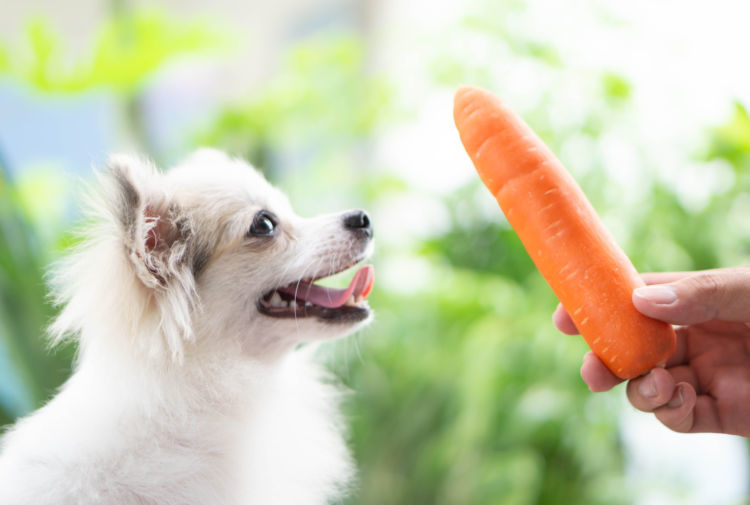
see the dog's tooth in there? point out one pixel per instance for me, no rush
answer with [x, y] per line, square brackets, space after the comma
[276, 300]
[293, 304]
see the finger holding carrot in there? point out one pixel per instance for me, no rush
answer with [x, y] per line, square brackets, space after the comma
[694, 380]
[705, 386]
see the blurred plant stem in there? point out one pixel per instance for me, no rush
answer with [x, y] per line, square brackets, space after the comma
[137, 129]
[4, 167]
[119, 7]
[29, 372]
[131, 102]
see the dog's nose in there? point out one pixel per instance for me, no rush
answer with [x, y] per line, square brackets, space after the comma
[358, 221]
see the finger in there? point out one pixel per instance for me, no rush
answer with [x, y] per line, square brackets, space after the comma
[685, 373]
[664, 277]
[563, 322]
[722, 294]
[706, 416]
[680, 355]
[679, 414]
[651, 391]
[596, 375]
[667, 277]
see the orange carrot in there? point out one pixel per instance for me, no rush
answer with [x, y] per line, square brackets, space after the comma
[591, 276]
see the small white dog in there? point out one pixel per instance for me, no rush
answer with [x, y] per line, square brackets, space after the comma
[190, 298]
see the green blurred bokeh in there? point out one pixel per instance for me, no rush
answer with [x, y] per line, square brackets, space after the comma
[463, 392]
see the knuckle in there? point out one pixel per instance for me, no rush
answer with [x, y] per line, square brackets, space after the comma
[680, 422]
[715, 294]
[710, 293]
[709, 284]
[679, 427]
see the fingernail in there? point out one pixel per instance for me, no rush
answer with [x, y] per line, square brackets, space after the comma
[676, 400]
[660, 295]
[647, 387]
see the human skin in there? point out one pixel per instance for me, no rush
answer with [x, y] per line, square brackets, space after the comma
[705, 385]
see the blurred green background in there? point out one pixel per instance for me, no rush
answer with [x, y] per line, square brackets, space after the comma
[464, 393]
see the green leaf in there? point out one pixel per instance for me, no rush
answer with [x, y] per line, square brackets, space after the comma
[616, 87]
[732, 140]
[128, 49]
[24, 313]
[4, 60]
[44, 44]
[322, 96]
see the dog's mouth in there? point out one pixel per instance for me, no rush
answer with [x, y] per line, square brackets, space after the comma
[304, 298]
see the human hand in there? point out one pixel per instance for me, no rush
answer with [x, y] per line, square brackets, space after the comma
[705, 386]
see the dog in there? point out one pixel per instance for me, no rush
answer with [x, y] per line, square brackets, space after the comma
[193, 304]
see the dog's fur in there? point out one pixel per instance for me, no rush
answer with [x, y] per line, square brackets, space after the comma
[183, 392]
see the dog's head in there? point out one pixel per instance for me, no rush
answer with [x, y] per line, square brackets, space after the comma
[210, 256]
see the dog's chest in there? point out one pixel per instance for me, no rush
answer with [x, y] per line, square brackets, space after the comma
[292, 450]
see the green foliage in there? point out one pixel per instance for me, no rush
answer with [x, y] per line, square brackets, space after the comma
[29, 372]
[131, 48]
[4, 60]
[478, 245]
[732, 141]
[484, 247]
[463, 397]
[128, 50]
[667, 235]
[321, 100]
[464, 392]
[616, 87]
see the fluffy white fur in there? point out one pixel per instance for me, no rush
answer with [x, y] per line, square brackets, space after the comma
[183, 393]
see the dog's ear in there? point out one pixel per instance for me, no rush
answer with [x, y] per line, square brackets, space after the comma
[156, 234]
[161, 247]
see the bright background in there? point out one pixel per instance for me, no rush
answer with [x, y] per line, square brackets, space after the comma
[464, 391]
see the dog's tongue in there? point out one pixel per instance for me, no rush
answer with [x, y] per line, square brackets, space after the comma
[360, 286]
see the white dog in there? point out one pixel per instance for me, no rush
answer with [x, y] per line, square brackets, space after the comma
[189, 299]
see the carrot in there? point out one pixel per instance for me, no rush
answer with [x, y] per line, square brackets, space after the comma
[591, 276]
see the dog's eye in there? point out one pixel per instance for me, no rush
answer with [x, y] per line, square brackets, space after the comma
[264, 225]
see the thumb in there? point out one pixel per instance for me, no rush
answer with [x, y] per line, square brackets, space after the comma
[722, 294]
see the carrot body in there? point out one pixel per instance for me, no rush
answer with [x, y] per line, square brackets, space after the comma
[591, 276]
